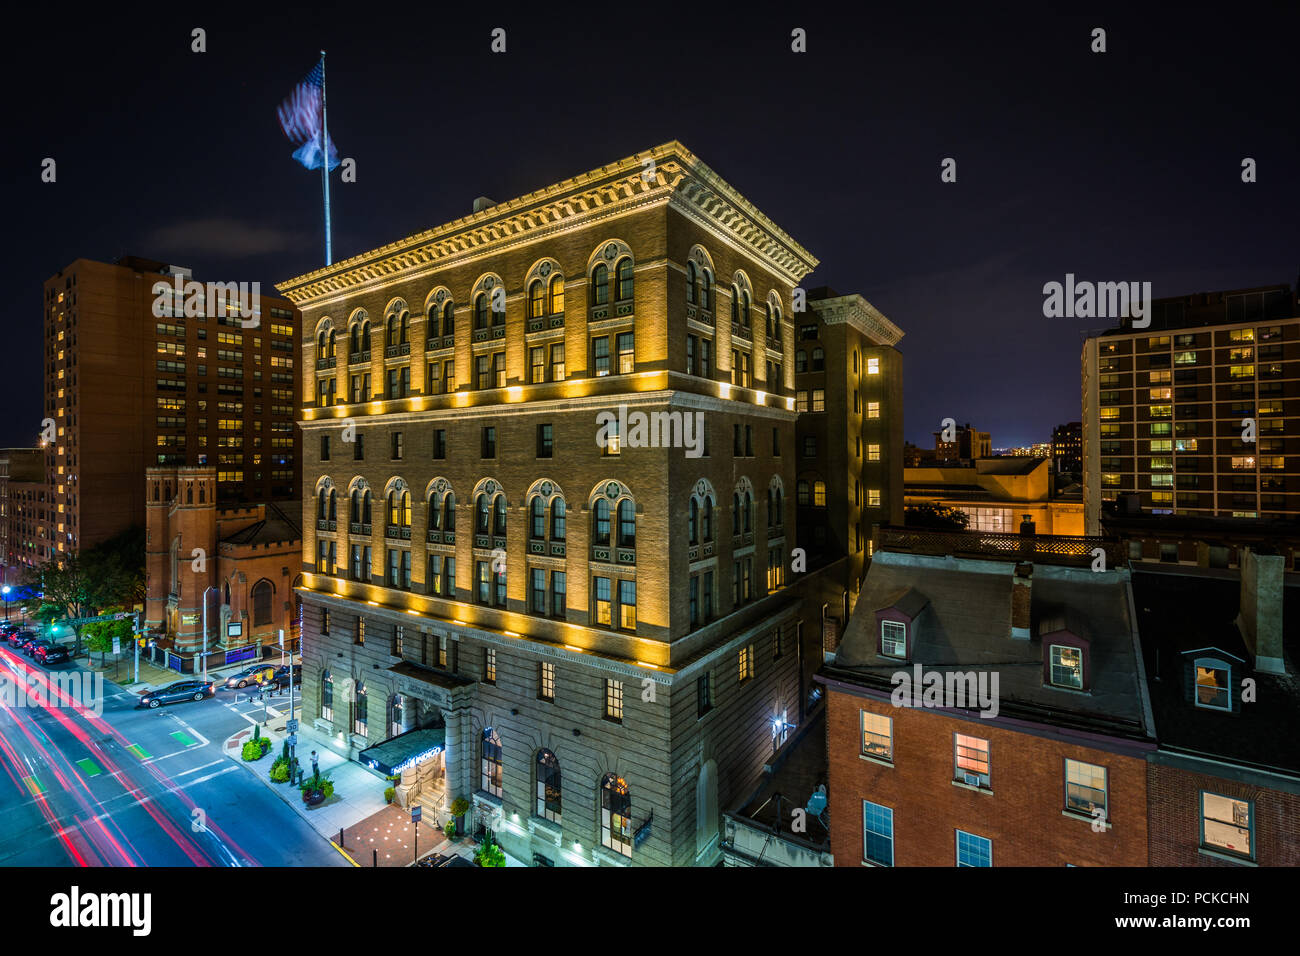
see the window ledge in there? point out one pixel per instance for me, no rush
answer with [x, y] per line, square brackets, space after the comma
[1083, 818]
[1219, 855]
[966, 786]
[607, 857]
[546, 829]
[880, 760]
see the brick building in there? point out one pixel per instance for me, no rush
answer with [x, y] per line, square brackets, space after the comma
[22, 507]
[598, 631]
[996, 494]
[137, 375]
[1045, 767]
[1165, 408]
[1225, 783]
[242, 559]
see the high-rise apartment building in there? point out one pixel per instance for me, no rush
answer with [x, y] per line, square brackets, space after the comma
[549, 454]
[22, 503]
[1067, 448]
[1198, 413]
[146, 367]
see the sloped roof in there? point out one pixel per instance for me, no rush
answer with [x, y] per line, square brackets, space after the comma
[277, 526]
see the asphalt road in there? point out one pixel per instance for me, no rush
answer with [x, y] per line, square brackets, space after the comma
[134, 787]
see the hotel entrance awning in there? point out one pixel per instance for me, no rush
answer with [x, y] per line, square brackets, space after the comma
[405, 750]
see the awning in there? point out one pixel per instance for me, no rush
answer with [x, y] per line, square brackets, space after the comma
[405, 750]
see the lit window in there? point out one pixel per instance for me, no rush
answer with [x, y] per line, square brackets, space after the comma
[873, 409]
[873, 453]
[971, 757]
[1227, 823]
[873, 366]
[1085, 788]
[1213, 684]
[873, 498]
[1067, 667]
[893, 639]
[877, 736]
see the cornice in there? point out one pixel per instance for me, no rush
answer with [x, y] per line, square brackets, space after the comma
[679, 178]
[858, 312]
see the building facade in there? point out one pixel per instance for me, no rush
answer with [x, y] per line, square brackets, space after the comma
[241, 561]
[22, 506]
[549, 451]
[138, 374]
[939, 757]
[1067, 448]
[1198, 413]
[997, 494]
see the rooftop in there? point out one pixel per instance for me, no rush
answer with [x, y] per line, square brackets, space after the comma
[277, 525]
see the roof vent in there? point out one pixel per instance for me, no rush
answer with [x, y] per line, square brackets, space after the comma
[482, 202]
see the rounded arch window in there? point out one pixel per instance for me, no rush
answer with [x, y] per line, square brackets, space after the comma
[548, 786]
[600, 284]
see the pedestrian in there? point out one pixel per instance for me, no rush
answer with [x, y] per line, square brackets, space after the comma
[315, 767]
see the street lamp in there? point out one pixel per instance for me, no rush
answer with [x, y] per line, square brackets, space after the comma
[6, 589]
[210, 587]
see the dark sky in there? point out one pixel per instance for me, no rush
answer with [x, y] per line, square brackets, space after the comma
[1117, 166]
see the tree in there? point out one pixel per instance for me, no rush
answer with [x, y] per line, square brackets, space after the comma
[936, 517]
[64, 592]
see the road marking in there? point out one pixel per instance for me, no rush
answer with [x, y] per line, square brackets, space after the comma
[345, 854]
[139, 751]
[34, 785]
[205, 766]
[89, 767]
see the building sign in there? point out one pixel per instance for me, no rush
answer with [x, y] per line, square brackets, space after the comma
[188, 619]
[235, 629]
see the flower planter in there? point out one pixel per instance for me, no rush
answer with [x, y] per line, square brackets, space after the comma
[313, 797]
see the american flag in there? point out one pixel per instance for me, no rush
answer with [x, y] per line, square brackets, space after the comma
[300, 117]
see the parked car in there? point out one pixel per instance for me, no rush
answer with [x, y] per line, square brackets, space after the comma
[279, 680]
[49, 653]
[18, 637]
[8, 627]
[194, 689]
[30, 647]
[251, 675]
[28, 639]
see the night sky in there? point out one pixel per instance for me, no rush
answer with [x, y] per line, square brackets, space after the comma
[1117, 166]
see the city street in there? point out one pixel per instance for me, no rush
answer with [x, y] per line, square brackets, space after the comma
[135, 787]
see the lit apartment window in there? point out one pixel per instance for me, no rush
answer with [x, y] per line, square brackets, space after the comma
[873, 409]
[877, 736]
[1213, 684]
[490, 666]
[746, 663]
[873, 498]
[819, 400]
[873, 453]
[1243, 463]
[873, 366]
[971, 758]
[1066, 667]
[1184, 358]
[1227, 824]
[1085, 788]
[546, 681]
[600, 355]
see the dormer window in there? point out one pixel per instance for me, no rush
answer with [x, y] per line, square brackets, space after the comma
[1066, 668]
[1213, 684]
[893, 639]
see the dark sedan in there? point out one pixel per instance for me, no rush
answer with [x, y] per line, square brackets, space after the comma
[49, 653]
[280, 679]
[19, 637]
[31, 647]
[180, 690]
[29, 639]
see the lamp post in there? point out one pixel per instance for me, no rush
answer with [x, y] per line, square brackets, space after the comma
[210, 587]
[6, 589]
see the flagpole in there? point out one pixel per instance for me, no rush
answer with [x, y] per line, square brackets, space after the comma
[325, 160]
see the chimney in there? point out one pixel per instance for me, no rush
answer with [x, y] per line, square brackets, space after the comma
[1021, 600]
[1260, 617]
[482, 202]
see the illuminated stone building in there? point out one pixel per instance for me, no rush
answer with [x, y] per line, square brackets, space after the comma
[504, 560]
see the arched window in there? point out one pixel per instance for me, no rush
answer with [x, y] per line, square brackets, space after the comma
[691, 281]
[365, 507]
[320, 345]
[706, 519]
[537, 528]
[626, 524]
[693, 523]
[406, 329]
[399, 508]
[600, 522]
[499, 515]
[780, 508]
[362, 711]
[556, 306]
[354, 339]
[189, 494]
[624, 279]
[354, 512]
[333, 515]
[548, 786]
[749, 512]
[448, 319]
[491, 776]
[262, 593]
[771, 507]
[481, 311]
[536, 299]
[449, 513]
[327, 695]
[615, 814]
[481, 510]
[203, 495]
[557, 519]
[706, 290]
[744, 309]
[770, 325]
[819, 359]
[600, 284]
[735, 304]
[393, 330]
[435, 511]
[735, 512]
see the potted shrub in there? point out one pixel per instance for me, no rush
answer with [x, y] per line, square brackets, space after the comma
[389, 793]
[254, 749]
[459, 807]
[450, 829]
[316, 790]
[489, 854]
[280, 770]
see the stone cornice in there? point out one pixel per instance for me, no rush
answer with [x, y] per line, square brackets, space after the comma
[858, 312]
[679, 177]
